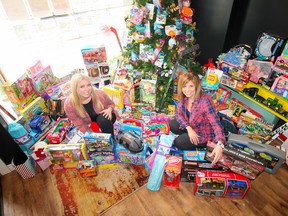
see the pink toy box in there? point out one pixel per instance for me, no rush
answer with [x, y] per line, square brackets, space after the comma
[42, 80]
[37, 67]
[280, 86]
[20, 93]
[221, 184]
[259, 69]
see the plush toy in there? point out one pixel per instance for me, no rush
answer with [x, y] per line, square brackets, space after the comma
[186, 13]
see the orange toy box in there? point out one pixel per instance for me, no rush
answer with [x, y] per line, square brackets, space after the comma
[87, 168]
[221, 184]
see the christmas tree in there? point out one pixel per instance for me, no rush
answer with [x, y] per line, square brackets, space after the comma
[157, 33]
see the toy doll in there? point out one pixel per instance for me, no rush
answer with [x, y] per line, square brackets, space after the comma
[281, 88]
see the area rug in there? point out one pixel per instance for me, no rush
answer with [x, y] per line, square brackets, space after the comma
[94, 195]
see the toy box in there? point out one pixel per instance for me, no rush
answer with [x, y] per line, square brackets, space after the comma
[115, 95]
[272, 156]
[65, 89]
[98, 141]
[40, 123]
[57, 134]
[36, 107]
[280, 86]
[39, 155]
[148, 92]
[221, 184]
[20, 93]
[102, 156]
[238, 160]
[87, 168]
[127, 88]
[212, 79]
[172, 170]
[258, 69]
[43, 80]
[125, 156]
[195, 160]
[222, 97]
[37, 67]
[65, 155]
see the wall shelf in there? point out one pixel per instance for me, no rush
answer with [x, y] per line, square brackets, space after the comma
[265, 93]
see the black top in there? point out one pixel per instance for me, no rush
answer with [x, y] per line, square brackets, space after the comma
[90, 110]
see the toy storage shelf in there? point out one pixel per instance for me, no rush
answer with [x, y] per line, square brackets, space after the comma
[266, 113]
[266, 94]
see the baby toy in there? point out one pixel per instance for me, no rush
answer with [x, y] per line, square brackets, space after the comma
[186, 13]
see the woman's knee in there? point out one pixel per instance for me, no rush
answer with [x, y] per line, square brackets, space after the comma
[174, 126]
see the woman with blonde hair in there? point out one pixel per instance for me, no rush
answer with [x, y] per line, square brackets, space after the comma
[87, 104]
[196, 121]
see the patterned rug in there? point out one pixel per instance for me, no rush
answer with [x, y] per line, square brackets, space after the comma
[94, 195]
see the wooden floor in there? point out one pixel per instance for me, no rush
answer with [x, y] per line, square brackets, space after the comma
[268, 196]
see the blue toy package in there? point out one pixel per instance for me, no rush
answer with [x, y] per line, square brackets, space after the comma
[163, 149]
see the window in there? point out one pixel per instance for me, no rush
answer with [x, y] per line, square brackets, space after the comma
[54, 31]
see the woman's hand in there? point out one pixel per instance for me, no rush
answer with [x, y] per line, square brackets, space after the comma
[107, 113]
[192, 135]
[217, 153]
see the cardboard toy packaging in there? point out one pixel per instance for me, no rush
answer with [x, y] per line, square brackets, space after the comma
[20, 93]
[272, 156]
[125, 156]
[87, 168]
[64, 156]
[172, 170]
[221, 184]
[195, 160]
[238, 160]
[100, 147]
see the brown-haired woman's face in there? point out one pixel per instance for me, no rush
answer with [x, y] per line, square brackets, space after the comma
[189, 89]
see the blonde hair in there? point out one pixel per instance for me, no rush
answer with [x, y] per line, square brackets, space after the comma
[184, 79]
[76, 79]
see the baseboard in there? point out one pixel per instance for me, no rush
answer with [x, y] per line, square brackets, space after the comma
[1, 198]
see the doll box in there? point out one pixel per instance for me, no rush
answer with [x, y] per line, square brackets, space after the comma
[65, 155]
[20, 93]
[98, 141]
[221, 184]
[258, 69]
[280, 86]
[272, 156]
[43, 80]
[238, 160]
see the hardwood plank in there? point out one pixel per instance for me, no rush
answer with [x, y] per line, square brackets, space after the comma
[39, 196]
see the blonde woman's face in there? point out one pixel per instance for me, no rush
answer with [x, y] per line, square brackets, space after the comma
[189, 90]
[84, 89]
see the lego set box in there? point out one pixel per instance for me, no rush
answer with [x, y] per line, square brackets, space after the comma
[221, 184]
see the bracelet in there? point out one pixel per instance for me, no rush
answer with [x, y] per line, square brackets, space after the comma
[220, 144]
